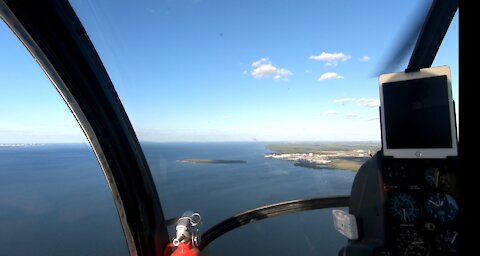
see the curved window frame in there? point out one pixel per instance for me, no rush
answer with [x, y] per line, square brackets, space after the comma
[53, 34]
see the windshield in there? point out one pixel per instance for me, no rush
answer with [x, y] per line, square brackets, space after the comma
[198, 71]
[239, 104]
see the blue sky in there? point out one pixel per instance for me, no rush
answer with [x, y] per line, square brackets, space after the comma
[201, 70]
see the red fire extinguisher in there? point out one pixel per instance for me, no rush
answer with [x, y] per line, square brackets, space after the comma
[186, 240]
[183, 249]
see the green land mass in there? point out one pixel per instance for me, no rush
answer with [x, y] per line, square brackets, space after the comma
[345, 164]
[211, 161]
[337, 155]
[323, 147]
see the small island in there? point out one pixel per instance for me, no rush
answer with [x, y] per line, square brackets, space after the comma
[211, 161]
[325, 155]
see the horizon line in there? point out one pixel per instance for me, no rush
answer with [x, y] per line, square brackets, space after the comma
[205, 141]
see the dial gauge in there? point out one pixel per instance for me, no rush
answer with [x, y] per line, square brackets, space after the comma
[432, 177]
[411, 243]
[404, 208]
[446, 243]
[442, 207]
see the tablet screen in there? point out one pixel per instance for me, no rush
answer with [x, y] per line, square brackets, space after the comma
[417, 114]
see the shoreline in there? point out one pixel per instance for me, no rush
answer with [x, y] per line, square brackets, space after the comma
[328, 156]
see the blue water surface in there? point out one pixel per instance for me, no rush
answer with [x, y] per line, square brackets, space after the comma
[54, 199]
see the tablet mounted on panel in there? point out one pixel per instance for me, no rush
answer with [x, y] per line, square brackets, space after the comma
[417, 114]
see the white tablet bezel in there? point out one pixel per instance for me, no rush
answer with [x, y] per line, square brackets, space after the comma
[419, 153]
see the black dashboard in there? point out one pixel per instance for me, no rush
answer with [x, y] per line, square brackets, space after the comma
[406, 207]
[421, 207]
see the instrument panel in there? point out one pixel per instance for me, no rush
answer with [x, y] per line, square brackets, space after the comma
[421, 207]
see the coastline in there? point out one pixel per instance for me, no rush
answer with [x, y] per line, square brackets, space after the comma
[324, 156]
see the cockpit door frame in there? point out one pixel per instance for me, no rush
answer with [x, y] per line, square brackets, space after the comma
[54, 35]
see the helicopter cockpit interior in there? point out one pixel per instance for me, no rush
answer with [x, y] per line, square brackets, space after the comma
[405, 200]
[406, 196]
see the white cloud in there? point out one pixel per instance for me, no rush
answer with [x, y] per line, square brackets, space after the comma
[374, 118]
[282, 72]
[369, 103]
[330, 112]
[351, 115]
[344, 100]
[329, 76]
[260, 62]
[265, 68]
[364, 58]
[331, 59]
[363, 102]
[308, 71]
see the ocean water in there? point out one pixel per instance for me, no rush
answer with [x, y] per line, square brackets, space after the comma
[54, 199]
